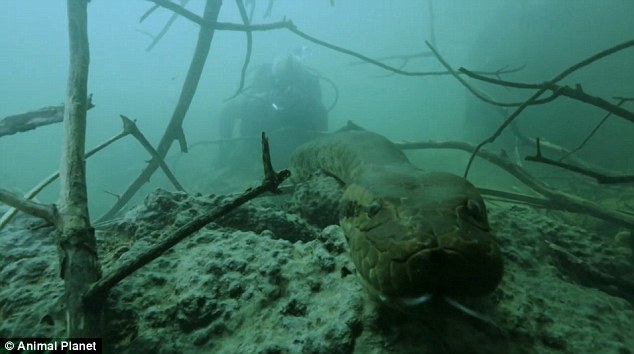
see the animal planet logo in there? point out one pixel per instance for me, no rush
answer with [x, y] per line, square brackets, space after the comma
[85, 345]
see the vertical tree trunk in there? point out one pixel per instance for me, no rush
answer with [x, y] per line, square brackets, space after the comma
[77, 246]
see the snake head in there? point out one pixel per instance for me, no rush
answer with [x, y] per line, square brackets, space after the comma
[430, 235]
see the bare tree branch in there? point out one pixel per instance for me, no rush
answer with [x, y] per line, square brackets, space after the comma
[181, 11]
[165, 28]
[30, 120]
[289, 25]
[601, 178]
[576, 93]
[148, 13]
[46, 212]
[482, 96]
[174, 130]
[622, 100]
[269, 9]
[541, 91]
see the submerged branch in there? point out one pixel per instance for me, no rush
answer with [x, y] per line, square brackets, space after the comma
[576, 93]
[483, 97]
[148, 13]
[289, 25]
[136, 133]
[270, 183]
[599, 177]
[174, 130]
[622, 100]
[9, 214]
[165, 28]
[30, 120]
[542, 90]
[558, 199]
[16, 201]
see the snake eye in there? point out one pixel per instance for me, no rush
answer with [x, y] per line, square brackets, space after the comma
[475, 209]
[374, 208]
[475, 212]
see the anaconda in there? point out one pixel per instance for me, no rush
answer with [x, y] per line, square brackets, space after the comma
[411, 234]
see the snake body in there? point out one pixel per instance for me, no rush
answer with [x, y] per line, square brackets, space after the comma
[411, 234]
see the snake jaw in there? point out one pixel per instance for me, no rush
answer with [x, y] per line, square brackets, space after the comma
[404, 250]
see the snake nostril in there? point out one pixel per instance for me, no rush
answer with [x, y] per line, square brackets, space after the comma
[374, 208]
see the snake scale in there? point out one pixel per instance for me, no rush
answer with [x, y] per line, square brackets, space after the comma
[411, 234]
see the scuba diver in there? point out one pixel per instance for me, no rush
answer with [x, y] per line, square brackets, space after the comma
[285, 101]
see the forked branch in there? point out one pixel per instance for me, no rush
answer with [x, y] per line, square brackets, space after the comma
[270, 183]
[531, 100]
[600, 178]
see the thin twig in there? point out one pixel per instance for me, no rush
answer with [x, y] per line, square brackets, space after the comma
[159, 36]
[250, 3]
[9, 214]
[181, 11]
[165, 28]
[498, 81]
[247, 56]
[599, 177]
[289, 25]
[269, 9]
[405, 58]
[482, 96]
[575, 93]
[596, 129]
[335, 89]
[148, 13]
[432, 23]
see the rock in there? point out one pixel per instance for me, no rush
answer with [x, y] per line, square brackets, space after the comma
[228, 289]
